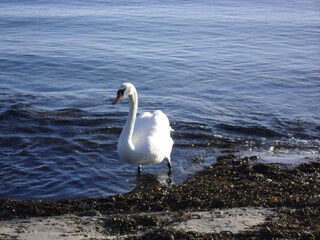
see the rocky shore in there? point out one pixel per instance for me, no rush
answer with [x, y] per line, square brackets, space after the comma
[236, 198]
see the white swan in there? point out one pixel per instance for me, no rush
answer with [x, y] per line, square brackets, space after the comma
[145, 139]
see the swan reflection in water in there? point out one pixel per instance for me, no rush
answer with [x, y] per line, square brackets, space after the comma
[147, 180]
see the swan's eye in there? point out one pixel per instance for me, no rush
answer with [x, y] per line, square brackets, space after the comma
[121, 92]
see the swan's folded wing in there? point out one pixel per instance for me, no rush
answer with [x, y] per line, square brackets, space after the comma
[151, 125]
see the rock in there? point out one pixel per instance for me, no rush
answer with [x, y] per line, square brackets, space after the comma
[92, 213]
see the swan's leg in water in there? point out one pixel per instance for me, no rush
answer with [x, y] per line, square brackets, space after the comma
[169, 165]
[139, 169]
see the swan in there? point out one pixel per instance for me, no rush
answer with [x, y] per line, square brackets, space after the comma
[145, 139]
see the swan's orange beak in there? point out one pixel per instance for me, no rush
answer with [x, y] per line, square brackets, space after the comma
[118, 98]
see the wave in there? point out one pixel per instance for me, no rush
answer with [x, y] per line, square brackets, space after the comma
[79, 126]
[260, 131]
[224, 136]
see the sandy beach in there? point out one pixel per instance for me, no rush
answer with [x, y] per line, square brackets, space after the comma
[76, 227]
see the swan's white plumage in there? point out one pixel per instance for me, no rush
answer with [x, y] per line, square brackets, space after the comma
[145, 139]
[151, 137]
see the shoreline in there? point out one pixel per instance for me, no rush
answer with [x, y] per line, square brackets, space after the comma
[234, 198]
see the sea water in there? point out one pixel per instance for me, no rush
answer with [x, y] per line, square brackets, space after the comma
[241, 75]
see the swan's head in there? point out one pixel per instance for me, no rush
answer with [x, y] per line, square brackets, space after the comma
[126, 89]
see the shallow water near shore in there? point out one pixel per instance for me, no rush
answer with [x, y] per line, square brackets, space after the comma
[241, 76]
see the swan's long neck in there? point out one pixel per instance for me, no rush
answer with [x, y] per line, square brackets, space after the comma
[129, 127]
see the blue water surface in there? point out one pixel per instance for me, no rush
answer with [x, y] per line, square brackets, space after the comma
[229, 74]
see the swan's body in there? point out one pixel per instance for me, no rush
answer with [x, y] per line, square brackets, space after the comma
[145, 139]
